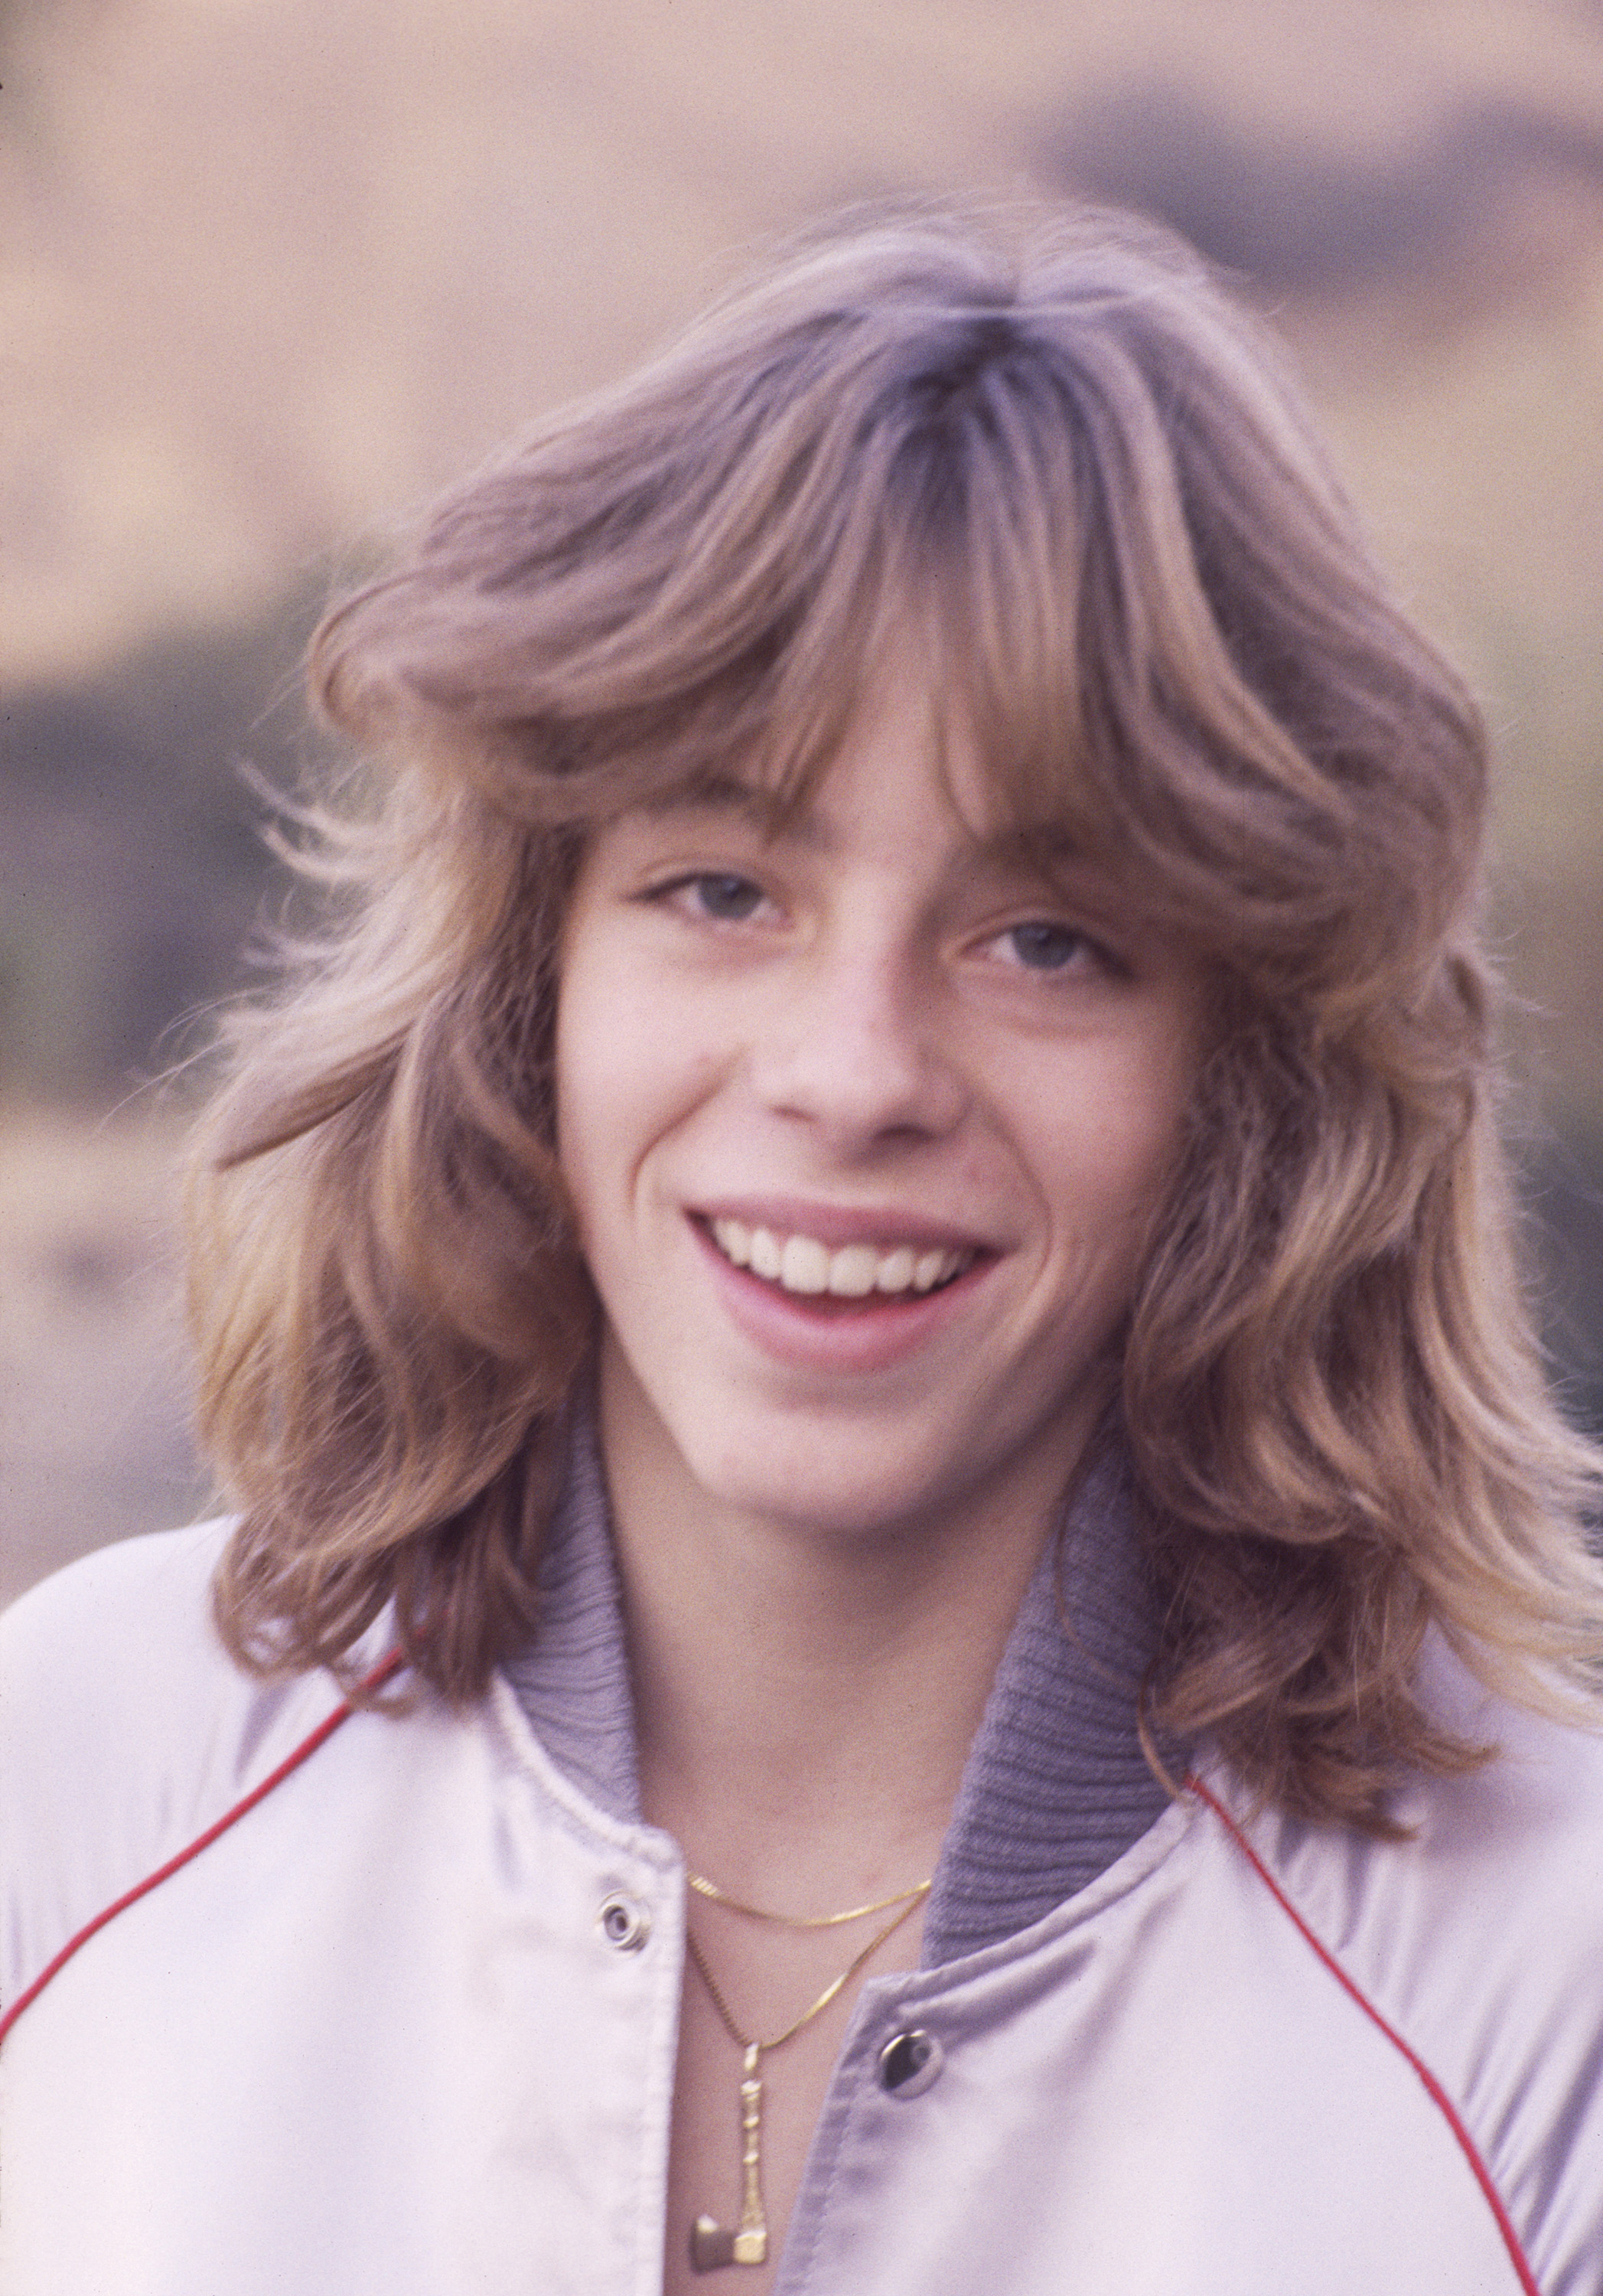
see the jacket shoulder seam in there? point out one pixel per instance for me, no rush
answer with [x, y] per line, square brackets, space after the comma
[1433, 2088]
[315, 1738]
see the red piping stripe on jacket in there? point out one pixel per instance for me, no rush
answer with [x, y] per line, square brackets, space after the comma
[331, 1723]
[308, 1747]
[1433, 2086]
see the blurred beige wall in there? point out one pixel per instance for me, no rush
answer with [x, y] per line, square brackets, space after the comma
[273, 269]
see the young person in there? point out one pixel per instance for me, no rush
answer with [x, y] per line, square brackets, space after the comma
[906, 1612]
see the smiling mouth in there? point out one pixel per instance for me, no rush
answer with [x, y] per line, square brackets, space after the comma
[802, 1265]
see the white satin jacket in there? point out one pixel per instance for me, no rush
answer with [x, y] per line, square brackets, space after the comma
[406, 2026]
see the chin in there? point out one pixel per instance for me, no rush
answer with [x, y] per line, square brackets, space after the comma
[835, 1483]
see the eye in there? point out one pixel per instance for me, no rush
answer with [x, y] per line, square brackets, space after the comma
[720, 894]
[1042, 946]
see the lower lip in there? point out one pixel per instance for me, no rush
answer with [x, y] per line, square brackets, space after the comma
[798, 1328]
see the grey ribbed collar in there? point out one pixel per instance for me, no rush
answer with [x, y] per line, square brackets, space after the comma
[1055, 1787]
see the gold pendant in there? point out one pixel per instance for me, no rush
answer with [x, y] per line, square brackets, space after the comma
[711, 2246]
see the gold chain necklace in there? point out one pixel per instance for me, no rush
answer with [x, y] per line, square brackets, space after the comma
[716, 1897]
[711, 2244]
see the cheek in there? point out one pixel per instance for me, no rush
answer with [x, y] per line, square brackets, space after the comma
[586, 1087]
[1117, 1150]
[630, 1065]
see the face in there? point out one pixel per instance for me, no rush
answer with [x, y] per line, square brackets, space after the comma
[864, 1125]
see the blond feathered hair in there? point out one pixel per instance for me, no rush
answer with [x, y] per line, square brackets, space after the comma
[1058, 447]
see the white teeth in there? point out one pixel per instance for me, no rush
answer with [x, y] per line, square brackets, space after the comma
[804, 1265]
[896, 1269]
[852, 1271]
[735, 1241]
[801, 1264]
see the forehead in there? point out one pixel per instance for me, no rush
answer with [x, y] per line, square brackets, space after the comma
[908, 755]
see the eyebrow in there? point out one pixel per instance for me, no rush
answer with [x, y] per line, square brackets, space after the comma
[766, 809]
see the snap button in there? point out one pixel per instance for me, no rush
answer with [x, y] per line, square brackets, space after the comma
[910, 2062]
[624, 1921]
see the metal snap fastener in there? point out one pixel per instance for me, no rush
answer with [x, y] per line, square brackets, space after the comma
[910, 2062]
[624, 1921]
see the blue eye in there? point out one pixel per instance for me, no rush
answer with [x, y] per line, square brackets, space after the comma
[1046, 947]
[724, 896]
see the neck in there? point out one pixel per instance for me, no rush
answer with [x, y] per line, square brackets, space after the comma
[805, 1698]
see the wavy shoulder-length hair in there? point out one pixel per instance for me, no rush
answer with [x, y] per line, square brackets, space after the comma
[1057, 450]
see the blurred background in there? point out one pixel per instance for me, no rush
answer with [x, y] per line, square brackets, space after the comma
[271, 270]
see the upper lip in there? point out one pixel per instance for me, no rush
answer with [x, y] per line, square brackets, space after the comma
[836, 1224]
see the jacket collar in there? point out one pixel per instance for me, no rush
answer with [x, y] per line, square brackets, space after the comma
[1056, 1785]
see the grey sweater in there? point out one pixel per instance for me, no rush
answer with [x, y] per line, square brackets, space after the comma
[1056, 1785]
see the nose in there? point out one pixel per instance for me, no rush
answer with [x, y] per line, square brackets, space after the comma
[858, 1046]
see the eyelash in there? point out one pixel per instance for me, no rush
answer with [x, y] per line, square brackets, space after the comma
[1078, 945]
[695, 881]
